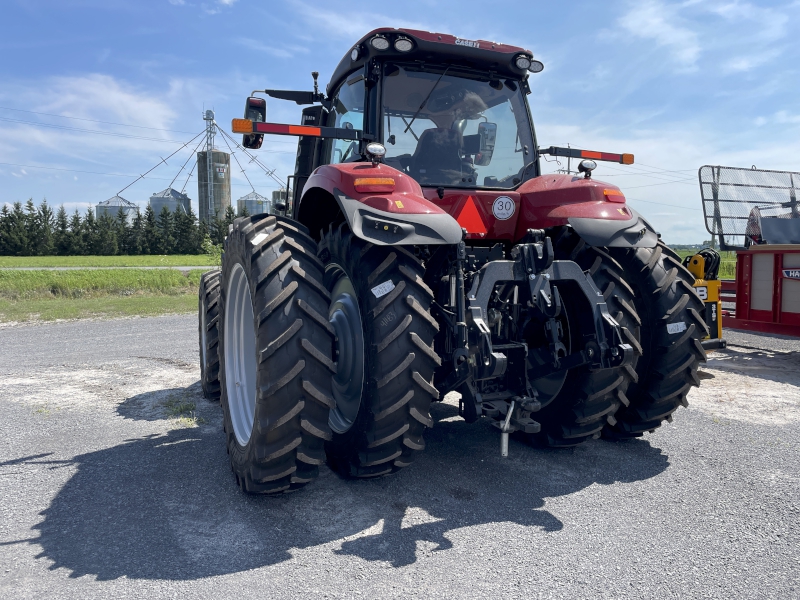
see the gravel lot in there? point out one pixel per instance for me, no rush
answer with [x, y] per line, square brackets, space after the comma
[104, 494]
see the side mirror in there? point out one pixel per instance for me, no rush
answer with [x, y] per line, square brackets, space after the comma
[487, 133]
[255, 109]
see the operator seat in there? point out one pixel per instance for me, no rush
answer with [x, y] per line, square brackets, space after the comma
[437, 158]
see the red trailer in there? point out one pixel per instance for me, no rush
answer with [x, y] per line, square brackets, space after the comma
[755, 213]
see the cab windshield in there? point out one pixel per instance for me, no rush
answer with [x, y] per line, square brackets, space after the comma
[453, 130]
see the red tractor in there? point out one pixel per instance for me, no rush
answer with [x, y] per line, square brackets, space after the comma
[426, 253]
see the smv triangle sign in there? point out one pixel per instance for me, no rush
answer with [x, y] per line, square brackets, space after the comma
[470, 218]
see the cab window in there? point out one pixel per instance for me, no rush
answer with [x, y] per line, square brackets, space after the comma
[347, 113]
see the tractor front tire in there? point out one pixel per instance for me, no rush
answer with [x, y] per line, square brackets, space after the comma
[208, 307]
[672, 327]
[385, 357]
[275, 355]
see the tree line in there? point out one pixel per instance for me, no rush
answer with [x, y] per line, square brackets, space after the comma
[39, 231]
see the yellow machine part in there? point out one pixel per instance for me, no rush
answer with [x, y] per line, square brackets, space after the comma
[708, 290]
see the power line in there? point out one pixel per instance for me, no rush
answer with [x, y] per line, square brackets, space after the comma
[663, 204]
[33, 112]
[108, 133]
[163, 160]
[126, 175]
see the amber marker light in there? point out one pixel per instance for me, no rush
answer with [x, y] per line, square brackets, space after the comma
[614, 195]
[627, 159]
[374, 184]
[242, 126]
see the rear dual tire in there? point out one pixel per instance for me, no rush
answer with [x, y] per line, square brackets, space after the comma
[384, 386]
[671, 334]
[275, 355]
[208, 307]
[589, 399]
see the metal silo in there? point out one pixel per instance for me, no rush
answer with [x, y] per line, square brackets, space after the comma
[255, 204]
[172, 199]
[215, 199]
[112, 206]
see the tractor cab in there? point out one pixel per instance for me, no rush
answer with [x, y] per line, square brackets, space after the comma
[450, 113]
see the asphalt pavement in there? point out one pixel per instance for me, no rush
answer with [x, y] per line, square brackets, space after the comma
[105, 494]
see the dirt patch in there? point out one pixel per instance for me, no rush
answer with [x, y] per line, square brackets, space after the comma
[140, 389]
[747, 384]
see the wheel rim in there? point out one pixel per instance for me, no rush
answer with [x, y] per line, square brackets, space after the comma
[348, 382]
[548, 387]
[240, 355]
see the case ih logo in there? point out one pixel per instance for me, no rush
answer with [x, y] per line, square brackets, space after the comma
[470, 43]
[791, 273]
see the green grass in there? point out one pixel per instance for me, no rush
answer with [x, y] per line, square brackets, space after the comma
[727, 265]
[172, 260]
[108, 307]
[44, 284]
[102, 293]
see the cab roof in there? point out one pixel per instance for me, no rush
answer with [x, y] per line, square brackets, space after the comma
[438, 48]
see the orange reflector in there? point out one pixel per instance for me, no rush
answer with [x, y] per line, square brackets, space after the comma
[374, 184]
[241, 126]
[590, 154]
[614, 195]
[627, 159]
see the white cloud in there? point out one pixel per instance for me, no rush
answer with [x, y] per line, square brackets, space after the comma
[278, 52]
[349, 25]
[656, 21]
[177, 2]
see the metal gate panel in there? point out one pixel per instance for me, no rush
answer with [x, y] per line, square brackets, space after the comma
[730, 194]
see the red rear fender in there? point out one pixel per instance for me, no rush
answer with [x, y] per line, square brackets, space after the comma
[381, 205]
[551, 200]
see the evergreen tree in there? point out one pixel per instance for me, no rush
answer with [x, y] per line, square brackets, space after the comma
[230, 217]
[89, 230]
[166, 233]
[16, 241]
[122, 232]
[105, 238]
[150, 243]
[61, 233]
[76, 241]
[45, 242]
[186, 241]
[244, 212]
[5, 224]
[136, 235]
[217, 230]
[31, 220]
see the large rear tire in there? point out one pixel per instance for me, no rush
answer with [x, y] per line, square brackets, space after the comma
[208, 307]
[383, 386]
[672, 327]
[589, 398]
[275, 355]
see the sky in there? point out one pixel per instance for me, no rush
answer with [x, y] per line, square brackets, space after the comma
[96, 92]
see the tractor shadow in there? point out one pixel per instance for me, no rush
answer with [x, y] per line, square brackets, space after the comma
[166, 506]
